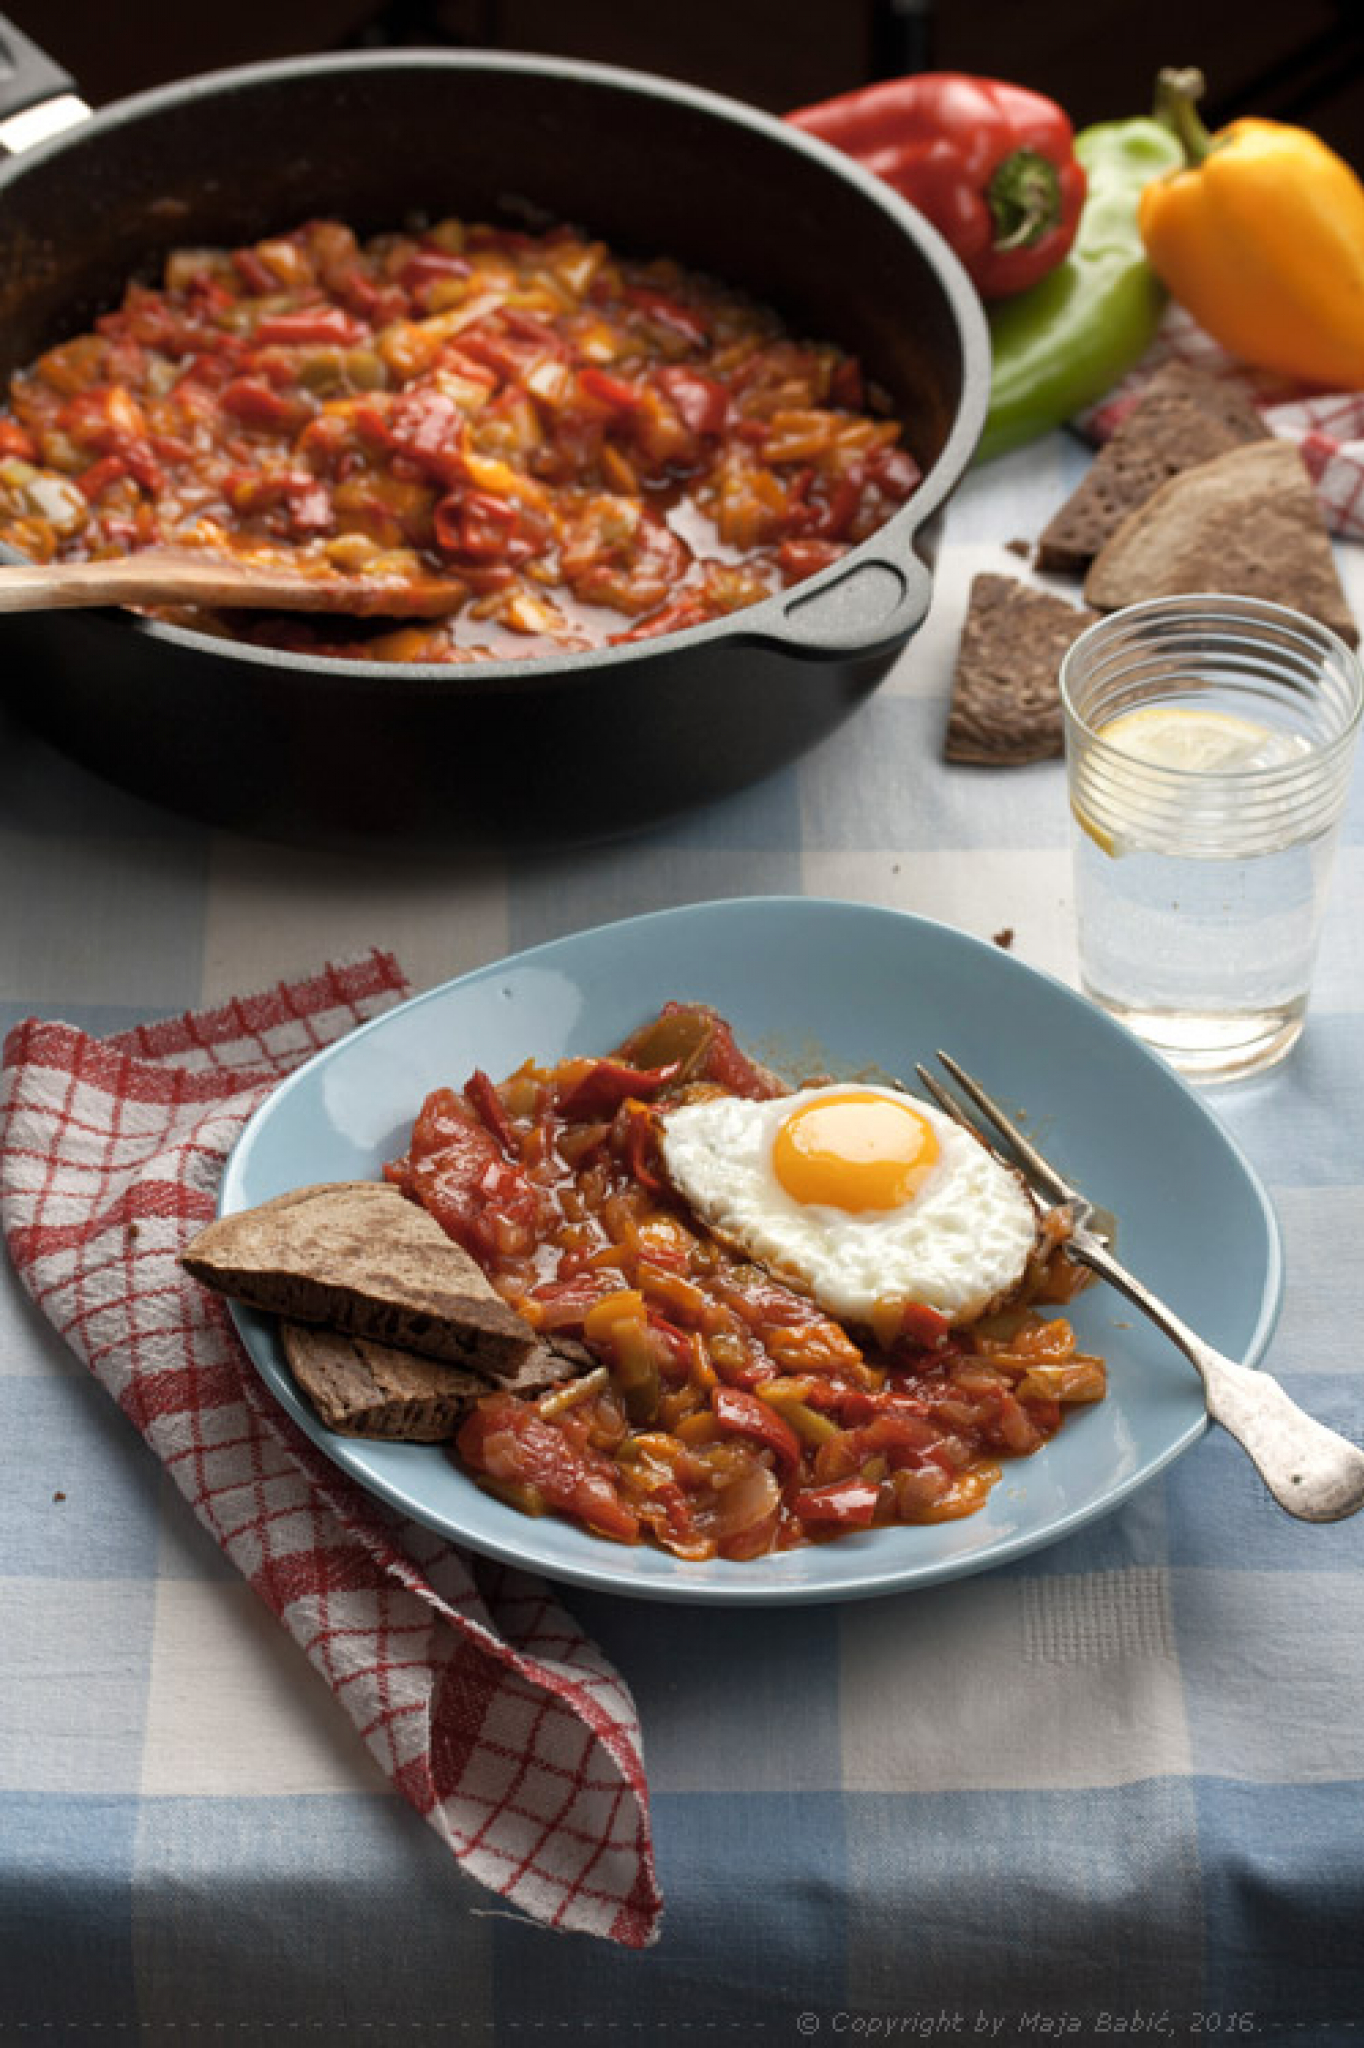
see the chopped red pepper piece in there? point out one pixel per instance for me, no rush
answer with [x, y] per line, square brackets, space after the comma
[798, 559]
[432, 266]
[256, 404]
[896, 472]
[846, 1504]
[688, 610]
[924, 1326]
[610, 391]
[483, 1097]
[900, 1439]
[563, 1304]
[669, 313]
[319, 324]
[477, 527]
[702, 403]
[100, 475]
[16, 440]
[747, 1416]
[310, 510]
[608, 1083]
[675, 1342]
[641, 1149]
[255, 274]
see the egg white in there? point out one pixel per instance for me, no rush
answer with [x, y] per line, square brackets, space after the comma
[958, 1246]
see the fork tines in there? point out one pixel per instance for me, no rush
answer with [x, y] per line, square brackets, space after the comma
[1042, 1172]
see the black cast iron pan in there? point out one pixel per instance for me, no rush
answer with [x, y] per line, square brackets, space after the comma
[528, 752]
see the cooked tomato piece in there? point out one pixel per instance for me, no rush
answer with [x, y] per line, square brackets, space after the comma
[456, 1170]
[508, 1439]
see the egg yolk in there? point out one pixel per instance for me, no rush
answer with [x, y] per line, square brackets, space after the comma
[854, 1151]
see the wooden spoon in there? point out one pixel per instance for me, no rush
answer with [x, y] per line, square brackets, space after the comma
[164, 576]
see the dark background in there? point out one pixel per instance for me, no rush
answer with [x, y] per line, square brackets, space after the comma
[1294, 60]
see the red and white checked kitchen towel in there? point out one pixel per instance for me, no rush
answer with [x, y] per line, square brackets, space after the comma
[491, 1711]
[1328, 426]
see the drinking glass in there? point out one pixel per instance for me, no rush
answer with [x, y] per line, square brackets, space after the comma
[1209, 746]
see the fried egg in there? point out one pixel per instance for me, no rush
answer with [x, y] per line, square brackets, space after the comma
[861, 1196]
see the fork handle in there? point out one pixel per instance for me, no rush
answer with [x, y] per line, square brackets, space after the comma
[1311, 1471]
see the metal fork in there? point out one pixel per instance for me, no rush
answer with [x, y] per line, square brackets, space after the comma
[1310, 1470]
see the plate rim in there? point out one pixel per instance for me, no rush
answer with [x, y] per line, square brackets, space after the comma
[256, 1335]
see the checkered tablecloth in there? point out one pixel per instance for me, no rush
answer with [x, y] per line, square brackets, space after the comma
[1116, 1789]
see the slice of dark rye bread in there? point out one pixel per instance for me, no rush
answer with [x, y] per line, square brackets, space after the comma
[1248, 523]
[361, 1258]
[1184, 417]
[360, 1388]
[1006, 702]
[363, 1389]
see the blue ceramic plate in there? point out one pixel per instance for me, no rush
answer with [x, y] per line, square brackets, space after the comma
[837, 987]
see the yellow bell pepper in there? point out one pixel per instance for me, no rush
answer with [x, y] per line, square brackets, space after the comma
[1261, 237]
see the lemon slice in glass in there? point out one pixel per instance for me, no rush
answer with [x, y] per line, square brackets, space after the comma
[1187, 738]
[1201, 741]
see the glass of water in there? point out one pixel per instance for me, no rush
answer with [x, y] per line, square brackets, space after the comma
[1209, 746]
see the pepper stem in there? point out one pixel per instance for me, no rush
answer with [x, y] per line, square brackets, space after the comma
[1177, 95]
[1024, 196]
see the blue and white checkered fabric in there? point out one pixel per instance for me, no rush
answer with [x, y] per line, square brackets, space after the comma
[1117, 1789]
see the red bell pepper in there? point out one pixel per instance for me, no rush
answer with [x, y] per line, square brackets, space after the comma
[311, 325]
[256, 404]
[617, 393]
[924, 1326]
[602, 1089]
[745, 1415]
[16, 440]
[641, 1150]
[432, 266]
[848, 1504]
[702, 403]
[99, 476]
[991, 165]
[680, 320]
[483, 1098]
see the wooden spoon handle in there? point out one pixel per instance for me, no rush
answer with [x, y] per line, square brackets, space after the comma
[159, 577]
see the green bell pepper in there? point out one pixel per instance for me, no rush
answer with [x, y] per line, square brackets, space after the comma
[1060, 345]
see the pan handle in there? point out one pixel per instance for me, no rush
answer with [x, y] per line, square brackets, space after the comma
[877, 601]
[37, 97]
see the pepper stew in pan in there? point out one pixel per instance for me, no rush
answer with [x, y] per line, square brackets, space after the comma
[591, 449]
